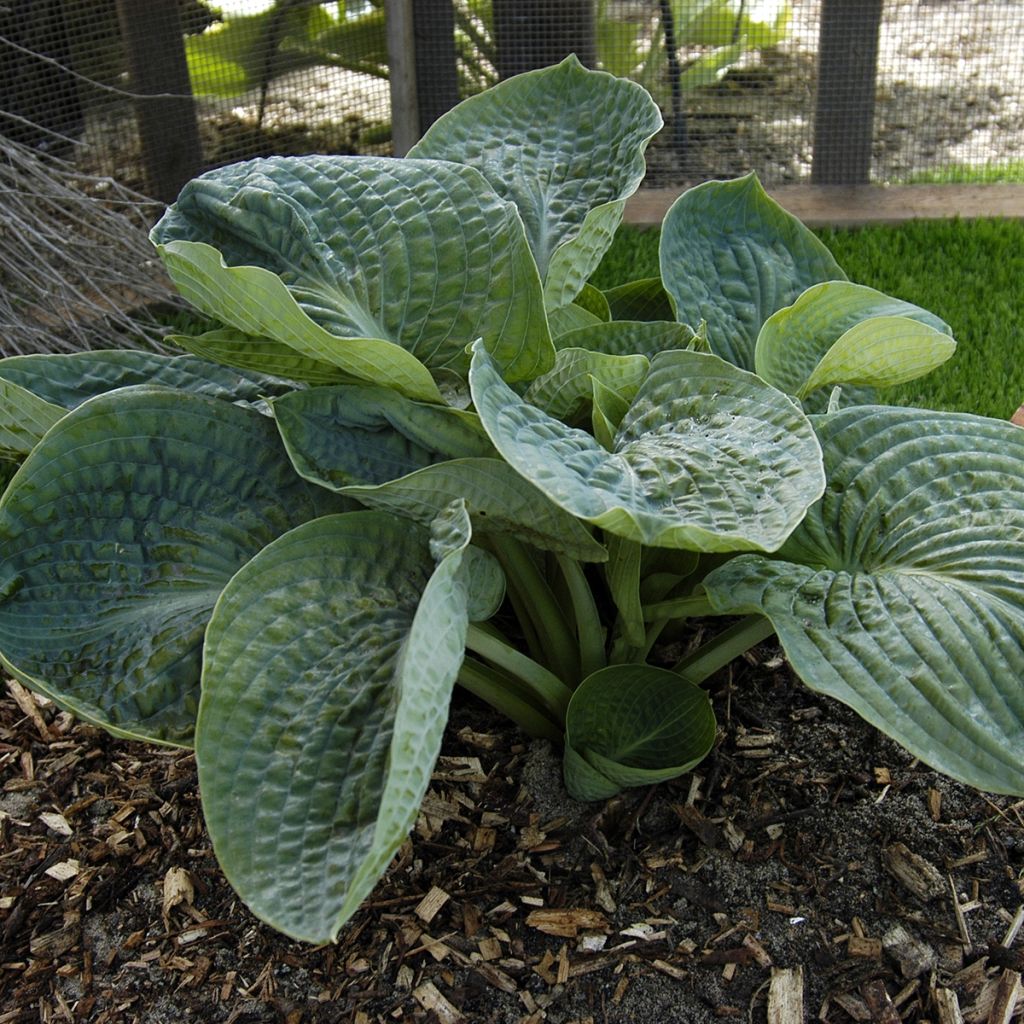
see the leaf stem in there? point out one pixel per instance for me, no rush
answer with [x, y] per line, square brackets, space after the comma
[679, 608]
[551, 693]
[729, 644]
[491, 688]
[590, 633]
[539, 605]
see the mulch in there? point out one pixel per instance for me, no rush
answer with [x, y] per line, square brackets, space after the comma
[810, 870]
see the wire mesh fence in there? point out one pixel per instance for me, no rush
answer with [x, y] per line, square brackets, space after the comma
[745, 84]
[105, 102]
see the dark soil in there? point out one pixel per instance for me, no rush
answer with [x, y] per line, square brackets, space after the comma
[806, 840]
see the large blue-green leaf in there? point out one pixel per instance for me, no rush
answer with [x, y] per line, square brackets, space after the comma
[68, 380]
[633, 725]
[384, 268]
[902, 594]
[625, 337]
[117, 535]
[329, 664]
[566, 146]
[24, 419]
[497, 499]
[414, 459]
[707, 458]
[838, 332]
[732, 256]
[343, 436]
[245, 352]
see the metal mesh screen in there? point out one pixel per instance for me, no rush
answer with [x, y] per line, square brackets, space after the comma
[739, 80]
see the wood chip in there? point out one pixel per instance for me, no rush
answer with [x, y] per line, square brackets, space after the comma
[430, 998]
[879, 1003]
[27, 702]
[63, 870]
[786, 996]
[917, 875]
[1008, 994]
[670, 969]
[864, 947]
[566, 923]
[947, 1006]
[958, 913]
[178, 889]
[427, 908]
[56, 823]
[913, 956]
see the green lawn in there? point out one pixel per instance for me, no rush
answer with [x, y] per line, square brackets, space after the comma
[971, 273]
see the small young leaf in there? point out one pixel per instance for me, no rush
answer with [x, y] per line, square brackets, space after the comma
[634, 725]
[902, 594]
[640, 300]
[625, 337]
[880, 352]
[565, 391]
[794, 340]
[732, 256]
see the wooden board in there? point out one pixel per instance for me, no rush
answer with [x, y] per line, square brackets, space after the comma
[858, 205]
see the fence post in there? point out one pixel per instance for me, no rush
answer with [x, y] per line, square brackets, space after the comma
[532, 34]
[437, 76]
[845, 106]
[405, 121]
[166, 113]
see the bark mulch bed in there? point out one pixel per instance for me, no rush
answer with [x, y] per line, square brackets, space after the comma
[811, 870]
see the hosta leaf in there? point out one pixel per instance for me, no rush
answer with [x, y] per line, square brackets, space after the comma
[339, 436]
[68, 380]
[566, 146]
[708, 458]
[902, 594]
[566, 391]
[732, 256]
[246, 352]
[795, 340]
[497, 499]
[607, 411]
[623, 338]
[622, 574]
[380, 267]
[328, 670]
[640, 300]
[119, 532]
[24, 418]
[593, 300]
[570, 318]
[634, 725]
[881, 352]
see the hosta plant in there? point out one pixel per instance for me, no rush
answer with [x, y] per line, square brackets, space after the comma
[419, 450]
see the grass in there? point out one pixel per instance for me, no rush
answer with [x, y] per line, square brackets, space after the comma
[1011, 172]
[969, 272]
